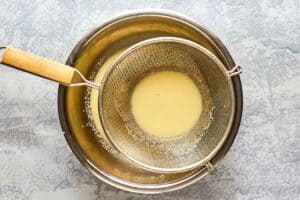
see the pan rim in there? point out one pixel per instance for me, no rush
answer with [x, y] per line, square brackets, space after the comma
[135, 187]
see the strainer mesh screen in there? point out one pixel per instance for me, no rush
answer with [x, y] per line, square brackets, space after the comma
[180, 151]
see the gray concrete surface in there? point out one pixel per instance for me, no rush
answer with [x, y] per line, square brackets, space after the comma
[264, 38]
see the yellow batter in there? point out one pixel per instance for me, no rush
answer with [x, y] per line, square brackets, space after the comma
[95, 93]
[166, 104]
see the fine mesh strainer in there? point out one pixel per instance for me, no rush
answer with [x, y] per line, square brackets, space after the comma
[169, 155]
[200, 143]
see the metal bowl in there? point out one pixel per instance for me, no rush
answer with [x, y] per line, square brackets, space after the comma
[100, 45]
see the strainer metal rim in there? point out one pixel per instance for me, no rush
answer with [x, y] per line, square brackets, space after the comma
[184, 42]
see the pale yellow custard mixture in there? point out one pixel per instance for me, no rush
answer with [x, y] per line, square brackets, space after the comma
[166, 104]
[95, 93]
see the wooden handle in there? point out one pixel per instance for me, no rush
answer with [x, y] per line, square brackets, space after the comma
[37, 65]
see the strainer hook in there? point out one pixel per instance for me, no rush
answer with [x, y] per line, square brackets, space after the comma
[236, 70]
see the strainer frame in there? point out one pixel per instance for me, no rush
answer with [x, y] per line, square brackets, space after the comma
[227, 73]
